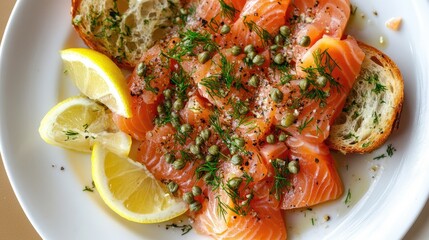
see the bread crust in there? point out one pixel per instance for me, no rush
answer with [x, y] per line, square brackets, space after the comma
[375, 62]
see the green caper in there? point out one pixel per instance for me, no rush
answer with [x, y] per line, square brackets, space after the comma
[274, 47]
[183, 11]
[276, 95]
[270, 139]
[195, 149]
[205, 134]
[168, 93]
[178, 104]
[172, 187]
[157, 121]
[236, 50]
[285, 31]
[258, 60]
[208, 177]
[321, 81]
[305, 41]
[239, 142]
[234, 183]
[236, 160]
[225, 29]
[188, 197]
[243, 109]
[167, 104]
[283, 137]
[214, 150]
[160, 109]
[233, 149]
[199, 141]
[293, 167]
[249, 196]
[210, 158]
[203, 57]
[251, 55]
[185, 128]
[178, 20]
[254, 81]
[249, 48]
[141, 69]
[196, 191]
[210, 48]
[279, 40]
[175, 121]
[279, 59]
[179, 164]
[169, 157]
[303, 84]
[195, 206]
[287, 120]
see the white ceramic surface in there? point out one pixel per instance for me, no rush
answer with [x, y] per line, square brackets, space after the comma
[384, 202]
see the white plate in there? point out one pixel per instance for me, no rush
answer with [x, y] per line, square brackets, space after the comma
[384, 203]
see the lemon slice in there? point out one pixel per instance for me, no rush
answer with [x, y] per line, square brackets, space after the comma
[78, 122]
[130, 190]
[98, 77]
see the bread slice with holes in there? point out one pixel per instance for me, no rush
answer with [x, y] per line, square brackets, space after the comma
[122, 29]
[372, 109]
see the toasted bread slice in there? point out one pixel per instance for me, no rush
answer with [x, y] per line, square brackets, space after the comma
[372, 109]
[122, 29]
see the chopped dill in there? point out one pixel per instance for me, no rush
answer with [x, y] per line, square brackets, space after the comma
[189, 41]
[263, 34]
[378, 87]
[227, 10]
[182, 82]
[280, 177]
[184, 228]
[304, 124]
[348, 197]
[148, 86]
[379, 157]
[224, 135]
[353, 9]
[71, 135]
[390, 150]
[209, 171]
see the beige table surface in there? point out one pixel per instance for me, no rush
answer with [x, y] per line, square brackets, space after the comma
[15, 225]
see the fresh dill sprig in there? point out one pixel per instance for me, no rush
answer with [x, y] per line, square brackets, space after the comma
[223, 134]
[280, 177]
[209, 170]
[263, 34]
[227, 10]
[148, 86]
[189, 41]
[304, 124]
[240, 205]
[182, 82]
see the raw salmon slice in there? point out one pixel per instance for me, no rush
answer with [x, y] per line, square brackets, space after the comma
[317, 180]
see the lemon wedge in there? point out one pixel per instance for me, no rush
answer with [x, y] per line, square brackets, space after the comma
[130, 190]
[98, 77]
[78, 122]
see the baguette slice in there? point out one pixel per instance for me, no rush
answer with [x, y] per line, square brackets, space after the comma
[122, 29]
[372, 109]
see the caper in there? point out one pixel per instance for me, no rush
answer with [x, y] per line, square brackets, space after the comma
[258, 60]
[175, 121]
[167, 104]
[276, 95]
[234, 183]
[274, 47]
[194, 149]
[305, 41]
[199, 141]
[203, 57]
[195, 206]
[210, 48]
[293, 167]
[188, 197]
[283, 137]
[254, 81]
[270, 139]
[160, 109]
[196, 191]
[208, 177]
[172, 187]
[279, 59]
[233, 149]
[179, 164]
[321, 81]
[183, 11]
[185, 128]
[251, 55]
[303, 84]
[285, 31]
[279, 40]
[141, 69]
[205, 134]
[178, 104]
[249, 48]
[235, 50]
[168, 93]
[236, 159]
[225, 29]
[169, 157]
[178, 20]
[214, 150]
[239, 142]
[243, 109]
[210, 158]
[287, 120]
